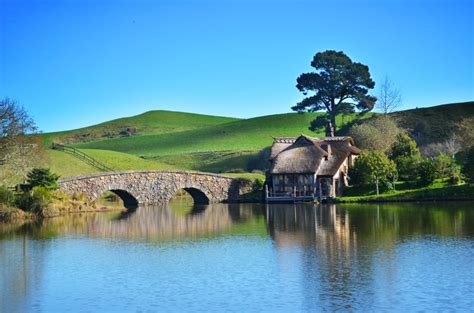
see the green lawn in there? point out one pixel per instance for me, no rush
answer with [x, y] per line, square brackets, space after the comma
[439, 190]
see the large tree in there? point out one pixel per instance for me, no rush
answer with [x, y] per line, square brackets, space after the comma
[338, 85]
[376, 134]
[18, 149]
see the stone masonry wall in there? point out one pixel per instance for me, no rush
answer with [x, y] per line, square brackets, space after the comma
[157, 186]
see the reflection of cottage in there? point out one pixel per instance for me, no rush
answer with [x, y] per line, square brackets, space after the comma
[306, 168]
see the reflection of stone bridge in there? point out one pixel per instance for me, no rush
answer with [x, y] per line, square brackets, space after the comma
[142, 187]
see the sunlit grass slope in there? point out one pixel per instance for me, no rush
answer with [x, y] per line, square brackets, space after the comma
[67, 165]
[152, 122]
[218, 144]
[250, 134]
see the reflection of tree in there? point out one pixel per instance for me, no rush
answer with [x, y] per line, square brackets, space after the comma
[19, 272]
[340, 245]
[150, 222]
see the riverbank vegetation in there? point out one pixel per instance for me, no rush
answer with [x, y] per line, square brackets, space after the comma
[438, 172]
[39, 198]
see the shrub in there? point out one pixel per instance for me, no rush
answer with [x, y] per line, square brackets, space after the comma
[376, 134]
[34, 200]
[405, 146]
[44, 178]
[406, 156]
[356, 177]
[7, 197]
[258, 184]
[427, 172]
[446, 168]
[468, 168]
[407, 167]
[374, 168]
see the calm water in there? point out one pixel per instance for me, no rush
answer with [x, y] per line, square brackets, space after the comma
[243, 258]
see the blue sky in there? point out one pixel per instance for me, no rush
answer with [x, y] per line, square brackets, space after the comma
[73, 63]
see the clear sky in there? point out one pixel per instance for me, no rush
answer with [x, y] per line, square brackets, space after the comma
[73, 63]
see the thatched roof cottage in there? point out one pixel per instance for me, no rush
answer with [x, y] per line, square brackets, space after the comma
[306, 168]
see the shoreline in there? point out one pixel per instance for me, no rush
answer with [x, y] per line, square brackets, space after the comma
[336, 201]
[12, 214]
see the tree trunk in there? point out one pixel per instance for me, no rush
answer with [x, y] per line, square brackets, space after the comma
[377, 186]
[332, 116]
[333, 122]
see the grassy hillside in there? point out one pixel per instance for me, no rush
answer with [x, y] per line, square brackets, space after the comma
[218, 144]
[153, 122]
[250, 134]
[434, 124]
[67, 165]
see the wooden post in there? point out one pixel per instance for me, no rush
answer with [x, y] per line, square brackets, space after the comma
[320, 191]
[266, 192]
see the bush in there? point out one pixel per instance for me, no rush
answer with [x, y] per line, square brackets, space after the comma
[405, 146]
[427, 172]
[377, 134]
[34, 200]
[446, 168]
[44, 178]
[468, 168]
[406, 156]
[7, 197]
[407, 167]
[374, 168]
[258, 184]
[356, 177]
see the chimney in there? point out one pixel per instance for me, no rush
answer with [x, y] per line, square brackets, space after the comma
[326, 147]
[329, 130]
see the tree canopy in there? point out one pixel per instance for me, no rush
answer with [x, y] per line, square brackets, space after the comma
[468, 169]
[376, 134]
[374, 167]
[44, 178]
[18, 148]
[338, 85]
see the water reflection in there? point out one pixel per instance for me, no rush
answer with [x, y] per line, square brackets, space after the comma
[146, 222]
[337, 257]
[344, 248]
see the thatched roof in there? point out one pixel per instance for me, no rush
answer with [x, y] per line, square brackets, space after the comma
[305, 155]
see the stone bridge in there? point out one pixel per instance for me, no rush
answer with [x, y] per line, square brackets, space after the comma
[147, 187]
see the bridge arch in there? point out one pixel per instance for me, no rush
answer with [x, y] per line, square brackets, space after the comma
[129, 201]
[198, 196]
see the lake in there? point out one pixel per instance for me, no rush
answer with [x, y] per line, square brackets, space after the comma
[243, 258]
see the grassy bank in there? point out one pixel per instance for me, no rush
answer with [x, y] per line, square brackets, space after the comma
[56, 204]
[439, 191]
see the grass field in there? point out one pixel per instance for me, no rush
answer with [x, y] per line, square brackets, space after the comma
[152, 122]
[67, 165]
[250, 134]
[439, 190]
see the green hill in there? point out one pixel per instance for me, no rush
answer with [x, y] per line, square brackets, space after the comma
[434, 124]
[249, 134]
[152, 122]
[163, 139]
[67, 165]
[218, 148]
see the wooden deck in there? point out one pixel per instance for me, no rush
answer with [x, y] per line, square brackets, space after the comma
[292, 197]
